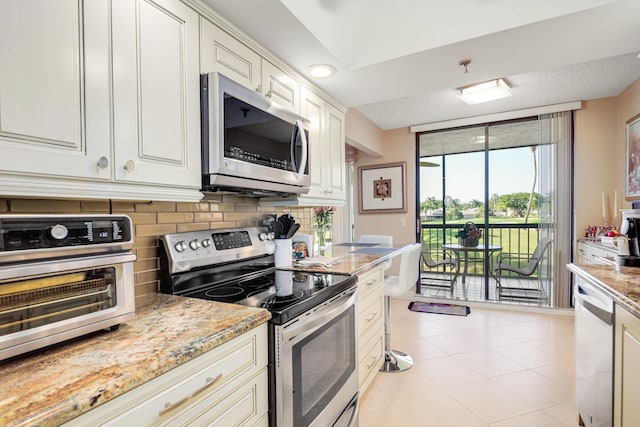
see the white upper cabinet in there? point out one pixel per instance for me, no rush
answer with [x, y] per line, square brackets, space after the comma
[280, 87]
[44, 97]
[156, 92]
[99, 99]
[313, 109]
[326, 154]
[335, 181]
[224, 53]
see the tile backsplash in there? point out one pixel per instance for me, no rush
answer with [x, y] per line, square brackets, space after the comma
[153, 219]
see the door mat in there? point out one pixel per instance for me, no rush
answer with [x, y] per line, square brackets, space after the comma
[431, 307]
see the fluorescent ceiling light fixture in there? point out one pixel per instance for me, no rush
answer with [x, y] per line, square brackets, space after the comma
[321, 71]
[484, 92]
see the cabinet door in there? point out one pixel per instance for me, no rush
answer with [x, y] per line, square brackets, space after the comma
[280, 87]
[45, 51]
[335, 134]
[370, 325]
[626, 387]
[156, 91]
[223, 53]
[312, 108]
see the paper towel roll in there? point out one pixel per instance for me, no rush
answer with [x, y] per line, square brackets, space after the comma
[283, 253]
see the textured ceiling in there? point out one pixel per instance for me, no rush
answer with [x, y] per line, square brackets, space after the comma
[399, 65]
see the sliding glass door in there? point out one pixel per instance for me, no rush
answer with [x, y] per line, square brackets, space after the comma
[500, 178]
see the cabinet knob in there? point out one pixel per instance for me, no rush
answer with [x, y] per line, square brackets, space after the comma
[130, 166]
[259, 89]
[103, 162]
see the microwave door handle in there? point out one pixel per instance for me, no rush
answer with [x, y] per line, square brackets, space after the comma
[303, 161]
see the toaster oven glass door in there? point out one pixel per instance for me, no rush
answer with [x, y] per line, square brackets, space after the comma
[32, 302]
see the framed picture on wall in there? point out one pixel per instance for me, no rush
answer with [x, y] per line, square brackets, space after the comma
[633, 157]
[382, 188]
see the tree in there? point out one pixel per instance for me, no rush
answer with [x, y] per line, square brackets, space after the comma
[517, 202]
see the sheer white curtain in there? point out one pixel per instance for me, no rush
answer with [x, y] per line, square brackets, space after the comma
[556, 190]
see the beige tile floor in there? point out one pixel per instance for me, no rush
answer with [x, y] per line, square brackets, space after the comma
[494, 367]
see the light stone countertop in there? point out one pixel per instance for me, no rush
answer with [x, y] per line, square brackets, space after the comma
[51, 386]
[622, 283]
[355, 258]
[54, 385]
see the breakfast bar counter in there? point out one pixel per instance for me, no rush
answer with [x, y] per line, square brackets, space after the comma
[56, 384]
[351, 258]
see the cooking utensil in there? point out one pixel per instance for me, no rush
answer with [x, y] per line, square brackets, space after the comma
[287, 221]
[278, 229]
[295, 227]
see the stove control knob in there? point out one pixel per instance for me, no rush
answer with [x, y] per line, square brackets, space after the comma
[194, 244]
[180, 246]
[271, 235]
[206, 243]
[58, 232]
[263, 236]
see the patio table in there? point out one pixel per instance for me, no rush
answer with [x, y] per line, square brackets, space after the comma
[456, 248]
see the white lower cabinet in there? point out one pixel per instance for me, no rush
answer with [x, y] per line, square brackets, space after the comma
[370, 325]
[225, 387]
[589, 252]
[626, 361]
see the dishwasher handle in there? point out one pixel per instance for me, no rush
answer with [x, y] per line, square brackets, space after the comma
[592, 307]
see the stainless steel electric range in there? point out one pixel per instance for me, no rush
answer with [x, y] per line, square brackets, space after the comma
[313, 378]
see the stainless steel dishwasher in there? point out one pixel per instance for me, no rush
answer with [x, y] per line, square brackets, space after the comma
[594, 354]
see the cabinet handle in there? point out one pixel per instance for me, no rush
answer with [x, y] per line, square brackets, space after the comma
[210, 382]
[259, 89]
[267, 95]
[370, 282]
[130, 166]
[373, 362]
[103, 162]
[371, 317]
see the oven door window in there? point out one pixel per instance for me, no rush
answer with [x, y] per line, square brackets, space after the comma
[37, 301]
[322, 364]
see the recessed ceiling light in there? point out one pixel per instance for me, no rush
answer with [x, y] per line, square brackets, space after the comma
[483, 92]
[321, 71]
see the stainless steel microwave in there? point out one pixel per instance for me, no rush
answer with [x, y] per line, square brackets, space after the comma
[250, 144]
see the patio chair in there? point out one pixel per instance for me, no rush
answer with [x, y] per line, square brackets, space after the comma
[522, 268]
[433, 272]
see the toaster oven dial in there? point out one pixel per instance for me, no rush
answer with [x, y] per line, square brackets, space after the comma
[58, 232]
[180, 246]
[194, 244]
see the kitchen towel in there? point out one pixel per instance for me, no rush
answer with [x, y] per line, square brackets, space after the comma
[431, 307]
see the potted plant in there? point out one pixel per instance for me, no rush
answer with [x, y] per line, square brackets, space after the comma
[469, 235]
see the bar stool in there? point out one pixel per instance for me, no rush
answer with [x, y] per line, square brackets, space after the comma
[394, 286]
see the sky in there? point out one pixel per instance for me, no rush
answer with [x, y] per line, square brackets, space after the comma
[511, 171]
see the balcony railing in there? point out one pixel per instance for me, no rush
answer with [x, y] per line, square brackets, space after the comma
[518, 240]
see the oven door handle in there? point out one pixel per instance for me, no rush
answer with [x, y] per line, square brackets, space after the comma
[37, 268]
[319, 317]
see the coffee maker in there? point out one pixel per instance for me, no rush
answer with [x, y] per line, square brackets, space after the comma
[630, 227]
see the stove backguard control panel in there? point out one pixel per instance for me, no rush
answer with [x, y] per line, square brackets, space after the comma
[193, 249]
